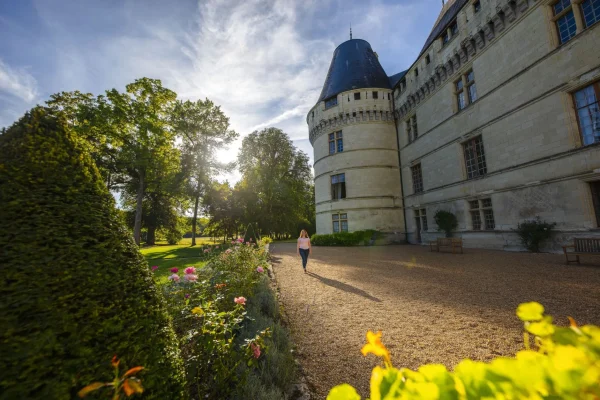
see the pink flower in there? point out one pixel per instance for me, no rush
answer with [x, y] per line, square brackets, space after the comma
[190, 270]
[233, 242]
[154, 268]
[174, 270]
[260, 269]
[206, 250]
[240, 240]
[240, 300]
[228, 251]
[216, 247]
[255, 350]
[190, 277]
[187, 296]
[174, 278]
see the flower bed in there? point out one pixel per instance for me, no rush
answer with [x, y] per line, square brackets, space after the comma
[227, 319]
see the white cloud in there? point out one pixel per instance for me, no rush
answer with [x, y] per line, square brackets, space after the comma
[18, 82]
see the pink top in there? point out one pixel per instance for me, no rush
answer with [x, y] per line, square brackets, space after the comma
[303, 243]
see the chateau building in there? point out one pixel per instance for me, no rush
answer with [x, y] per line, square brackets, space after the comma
[497, 121]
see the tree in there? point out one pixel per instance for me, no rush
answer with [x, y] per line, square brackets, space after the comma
[203, 129]
[446, 221]
[276, 180]
[225, 214]
[141, 121]
[75, 289]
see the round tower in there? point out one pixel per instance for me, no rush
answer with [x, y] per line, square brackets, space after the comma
[352, 131]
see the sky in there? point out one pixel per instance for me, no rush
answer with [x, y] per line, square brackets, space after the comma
[263, 61]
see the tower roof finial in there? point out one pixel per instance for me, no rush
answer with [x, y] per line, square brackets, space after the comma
[350, 30]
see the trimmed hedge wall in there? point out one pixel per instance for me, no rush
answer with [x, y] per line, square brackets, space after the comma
[357, 238]
[75, 290]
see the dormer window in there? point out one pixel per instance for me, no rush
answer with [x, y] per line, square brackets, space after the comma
[454, 28]
[445, 37]
[332, 102]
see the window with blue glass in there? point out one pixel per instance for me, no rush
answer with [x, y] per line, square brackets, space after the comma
[565, 20]
[591, 12]
[588, 113]
[340, 222]
[336, 142]
[331, 102]
[338, 186]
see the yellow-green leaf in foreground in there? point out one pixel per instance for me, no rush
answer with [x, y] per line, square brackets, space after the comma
[343, 392]
[531, 311]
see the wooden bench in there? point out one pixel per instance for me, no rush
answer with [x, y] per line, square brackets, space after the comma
[452, 243]
[582, 246]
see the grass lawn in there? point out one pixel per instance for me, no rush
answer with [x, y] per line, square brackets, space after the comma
[167, 257]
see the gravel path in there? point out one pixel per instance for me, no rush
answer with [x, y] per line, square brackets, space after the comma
[431, 307]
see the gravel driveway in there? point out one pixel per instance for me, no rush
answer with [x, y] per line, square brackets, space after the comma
[431, 307]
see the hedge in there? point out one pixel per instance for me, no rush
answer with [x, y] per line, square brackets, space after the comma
[345, 238]
[75, 290]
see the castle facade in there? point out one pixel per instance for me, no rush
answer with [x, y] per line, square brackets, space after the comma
[497, 121]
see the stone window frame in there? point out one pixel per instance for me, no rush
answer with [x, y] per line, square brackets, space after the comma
[339, 218]
[596, 87]
[421, 213]
[450, 33]
[338, 187]
[416, 172]
[476, 166]
[357, 96]
[462, 90]
[481, 212]
[574, 7]
[412, 129]
[336, 142]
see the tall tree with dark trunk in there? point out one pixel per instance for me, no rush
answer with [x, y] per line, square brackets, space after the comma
[141, 117]
[203, 129]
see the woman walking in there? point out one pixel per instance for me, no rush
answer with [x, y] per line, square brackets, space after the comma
[304, 247]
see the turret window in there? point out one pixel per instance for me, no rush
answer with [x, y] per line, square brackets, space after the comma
[332, 102]
[338, 187]
[336, 142]
[340, 222]
[357, 96]
[375, 95]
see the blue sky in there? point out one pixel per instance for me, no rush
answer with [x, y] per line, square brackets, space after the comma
[264, 62]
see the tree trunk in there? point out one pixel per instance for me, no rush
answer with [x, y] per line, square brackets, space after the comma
[137, 227]
[194, 221]
[151, 238]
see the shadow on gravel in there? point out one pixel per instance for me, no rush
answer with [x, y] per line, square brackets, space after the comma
[343, 286]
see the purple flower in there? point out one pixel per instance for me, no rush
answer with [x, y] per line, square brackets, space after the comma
[174, 270]
[187, 296]
[260, 269]
[154, 268]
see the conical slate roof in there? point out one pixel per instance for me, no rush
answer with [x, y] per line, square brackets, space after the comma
[354, 66]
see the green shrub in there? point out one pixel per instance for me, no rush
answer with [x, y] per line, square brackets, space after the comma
[75, 290]
[173, 236]
[446, 221]
[356, 238]
[564, 364]
[534, 232]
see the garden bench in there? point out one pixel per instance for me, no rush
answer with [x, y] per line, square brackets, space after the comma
[582, 246]
[452, 243]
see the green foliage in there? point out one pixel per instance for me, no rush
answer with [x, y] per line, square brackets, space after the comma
[220, 337]
[74, 298]
[446, 221]
[563, 364]
[266, 240]
[534, 232]
[356, 238]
